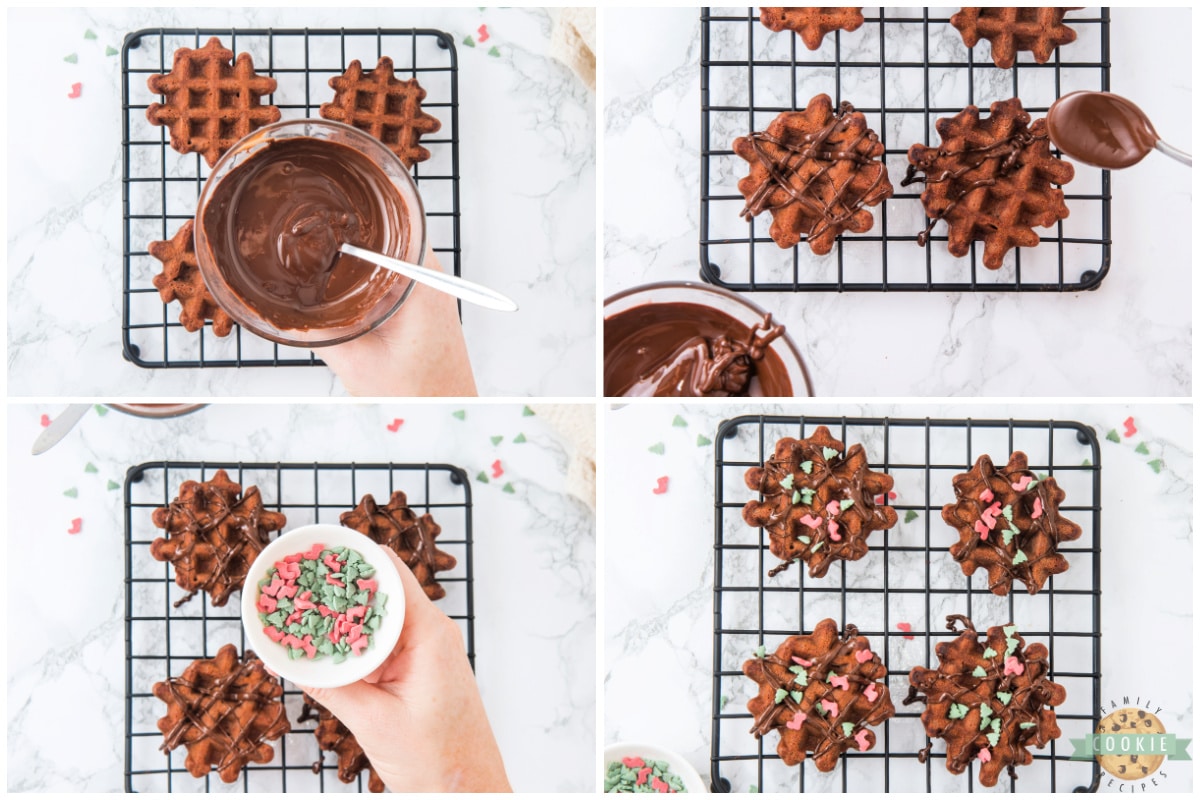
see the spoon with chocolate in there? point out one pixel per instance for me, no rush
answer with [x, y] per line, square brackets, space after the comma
[1105, 130]
[450, 284]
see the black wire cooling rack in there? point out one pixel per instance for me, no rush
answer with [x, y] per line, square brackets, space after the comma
[161, 187]
[904, 69]
[161, 640]
[907, 577]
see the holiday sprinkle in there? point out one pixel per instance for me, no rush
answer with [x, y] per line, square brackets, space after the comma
[324, 602]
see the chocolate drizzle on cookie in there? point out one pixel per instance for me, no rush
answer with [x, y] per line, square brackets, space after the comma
[1008, 524]
[413, 538]
[815, 171]
[988, 701]
[820, 691]
[223, 710]
[991, 180]
[214, 533]
[818, 505]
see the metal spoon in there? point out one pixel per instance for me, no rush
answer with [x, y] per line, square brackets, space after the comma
[464, 289]
[1105, 130]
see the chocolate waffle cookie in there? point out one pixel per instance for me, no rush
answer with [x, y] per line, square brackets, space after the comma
[334, 737]
[991, 180]
[385, 107]
[1036, 30]
[821, 692]
[818, 502]
[214, 533]
[1008, 524]
[987, 700]
[816, 171]
[211, 100]
[181, 280]
[811, 24]
[413, 538]
[223, 710]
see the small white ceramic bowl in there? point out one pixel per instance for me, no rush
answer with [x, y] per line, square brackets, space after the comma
[322, 673]
[679, 765]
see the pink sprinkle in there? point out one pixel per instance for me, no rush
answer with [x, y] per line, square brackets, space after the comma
[288, 640]
[906, 627]
[273, 633]
[483, 34]
[863, 656]
[357, 611]
[797, 722]
[642, 773]
[871, 693]
[359, 645]
[1037, 508]
[331, 561]
[309, 649]
[76, 90]
[986, 496]
[839, 681]
[497, 470]
[981, 529]
[831, 707]
[330, 579]
[811, 521]
[985, 755]
[356, 632]
[287, 590]
[272, 588]
[861, 739]
[314, 552]
[633, 762]
[326, 611]
[804, 662]
[833, 508]
[293, 617]
[833, 531]
[1130, 428]
[659, 786]
[292, 559]
[304, 605]
[369, 584]
[1013, 667]
[267, 604]
[334, 636]
[1021, 484]
[661, 487]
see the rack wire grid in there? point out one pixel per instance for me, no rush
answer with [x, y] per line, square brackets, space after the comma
[162, 640]
[160, 187]
[908, 576]
[904, 69]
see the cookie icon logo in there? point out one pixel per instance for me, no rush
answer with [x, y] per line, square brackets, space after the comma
[1131, 766]
[1131, 744]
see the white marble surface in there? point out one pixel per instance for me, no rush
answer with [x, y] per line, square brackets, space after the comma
[1130, 337]
[658, 567]
[527, 161]
[534, 566]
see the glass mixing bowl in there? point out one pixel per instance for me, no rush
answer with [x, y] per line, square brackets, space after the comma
[407, 246]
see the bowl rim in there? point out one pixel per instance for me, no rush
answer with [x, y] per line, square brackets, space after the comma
[323, 673]
[256, 324]
[720, 292]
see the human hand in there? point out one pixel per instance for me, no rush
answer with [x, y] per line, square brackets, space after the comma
[419, 351]
[419, 717]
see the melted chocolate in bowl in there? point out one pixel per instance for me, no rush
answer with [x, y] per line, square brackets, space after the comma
[275, 222]
[689, 350]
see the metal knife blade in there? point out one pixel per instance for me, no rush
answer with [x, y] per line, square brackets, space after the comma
[60, 427]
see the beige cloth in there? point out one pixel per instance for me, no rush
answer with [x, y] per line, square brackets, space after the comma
[576, 424]
[573, 41]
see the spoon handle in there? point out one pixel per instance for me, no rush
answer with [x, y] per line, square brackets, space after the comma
[450, 284]
[1173, 152]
